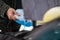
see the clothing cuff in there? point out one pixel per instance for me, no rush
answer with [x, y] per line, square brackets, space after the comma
[3, 10]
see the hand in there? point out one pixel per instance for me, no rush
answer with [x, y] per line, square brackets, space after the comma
[10, 13]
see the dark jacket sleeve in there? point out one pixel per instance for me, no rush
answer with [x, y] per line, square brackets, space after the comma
[3, 8]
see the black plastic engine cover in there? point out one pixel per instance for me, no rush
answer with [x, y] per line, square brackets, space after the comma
[49, 31]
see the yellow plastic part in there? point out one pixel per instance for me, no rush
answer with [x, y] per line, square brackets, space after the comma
[50, 15]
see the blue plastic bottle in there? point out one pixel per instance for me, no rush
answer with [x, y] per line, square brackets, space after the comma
[27, 24]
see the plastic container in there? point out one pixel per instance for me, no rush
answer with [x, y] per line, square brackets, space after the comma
[25, 24]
